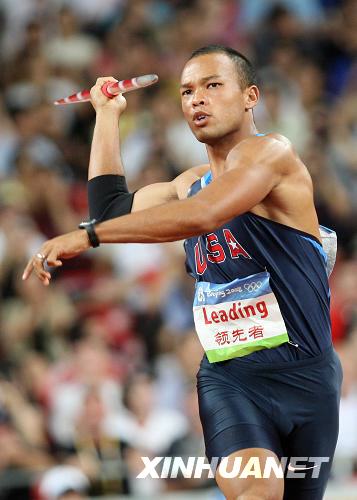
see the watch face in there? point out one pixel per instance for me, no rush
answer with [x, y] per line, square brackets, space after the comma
[86, 223]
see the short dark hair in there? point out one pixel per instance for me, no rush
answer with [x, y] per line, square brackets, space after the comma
[245, 68]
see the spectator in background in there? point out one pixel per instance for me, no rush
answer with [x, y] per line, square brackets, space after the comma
[304, 11]
[89, 371]
[71, 48]
[23, 445]
[145, 429]
[189, 445]
[142, 425]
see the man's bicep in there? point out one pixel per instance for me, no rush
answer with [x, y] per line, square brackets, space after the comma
[153, 195]
[244, 185]
[242, 190]
[157, 194]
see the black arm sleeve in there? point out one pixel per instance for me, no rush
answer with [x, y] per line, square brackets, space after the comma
[108, 197]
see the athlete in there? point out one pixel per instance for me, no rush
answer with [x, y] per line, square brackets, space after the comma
[269, 382]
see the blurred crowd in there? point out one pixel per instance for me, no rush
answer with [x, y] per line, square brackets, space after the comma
[99, 369]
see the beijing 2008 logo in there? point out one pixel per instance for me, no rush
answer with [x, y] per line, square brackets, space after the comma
[253, 286]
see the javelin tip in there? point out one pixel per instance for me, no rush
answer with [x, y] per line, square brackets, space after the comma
[147, 79]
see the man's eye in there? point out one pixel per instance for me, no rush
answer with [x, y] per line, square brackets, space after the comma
[213, 85]
[186, 92]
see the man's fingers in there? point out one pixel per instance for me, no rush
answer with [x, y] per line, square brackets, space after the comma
[44, 277]
[104, 79]
[97, 88]
[97, 96]
[28, 270]
[53, 251]
[52, 259]
[54, 263]
[36, 265]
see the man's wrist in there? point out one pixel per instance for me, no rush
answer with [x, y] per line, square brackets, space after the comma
[83, 240]
[108, 111]
[89, 227]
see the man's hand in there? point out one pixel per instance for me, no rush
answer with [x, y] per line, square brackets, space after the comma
[52, 251]
[100, 101]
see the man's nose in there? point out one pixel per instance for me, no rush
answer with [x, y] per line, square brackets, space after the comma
[198, 98]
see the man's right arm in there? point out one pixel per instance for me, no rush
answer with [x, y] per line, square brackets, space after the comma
[108, 195]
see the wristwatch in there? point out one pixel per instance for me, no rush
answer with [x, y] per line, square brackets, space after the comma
[89, 226]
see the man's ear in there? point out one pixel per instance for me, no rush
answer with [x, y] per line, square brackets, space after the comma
[251, 95]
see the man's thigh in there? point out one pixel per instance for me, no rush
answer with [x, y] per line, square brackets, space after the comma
[232, 418]
[310, 450]
[312, 441]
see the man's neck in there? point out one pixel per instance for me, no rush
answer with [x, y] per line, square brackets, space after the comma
[218, 152]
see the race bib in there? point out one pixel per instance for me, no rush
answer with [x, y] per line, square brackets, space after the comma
[237, 318]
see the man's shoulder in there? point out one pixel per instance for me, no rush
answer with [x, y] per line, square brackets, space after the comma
[273, 150]
[261, 142]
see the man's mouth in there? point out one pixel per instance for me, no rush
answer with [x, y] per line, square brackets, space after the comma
[200, 118]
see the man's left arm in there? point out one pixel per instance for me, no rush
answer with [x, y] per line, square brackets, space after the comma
[245, 183]
[252, 171]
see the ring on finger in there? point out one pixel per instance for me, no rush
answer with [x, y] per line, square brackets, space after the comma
[40, 257]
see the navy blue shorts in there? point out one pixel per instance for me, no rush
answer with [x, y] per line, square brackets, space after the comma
[291, 408]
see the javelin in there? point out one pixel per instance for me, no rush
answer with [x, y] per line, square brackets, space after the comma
[111, 89]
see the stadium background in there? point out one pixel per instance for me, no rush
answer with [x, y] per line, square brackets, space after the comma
[99, 368]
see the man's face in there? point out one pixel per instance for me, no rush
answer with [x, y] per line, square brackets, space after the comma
[213, 102]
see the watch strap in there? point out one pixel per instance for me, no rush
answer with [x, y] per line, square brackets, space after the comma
[89, 226]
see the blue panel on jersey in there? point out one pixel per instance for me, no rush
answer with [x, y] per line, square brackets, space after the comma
[318, 247]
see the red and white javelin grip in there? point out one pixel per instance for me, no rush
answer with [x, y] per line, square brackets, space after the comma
[111, 89]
